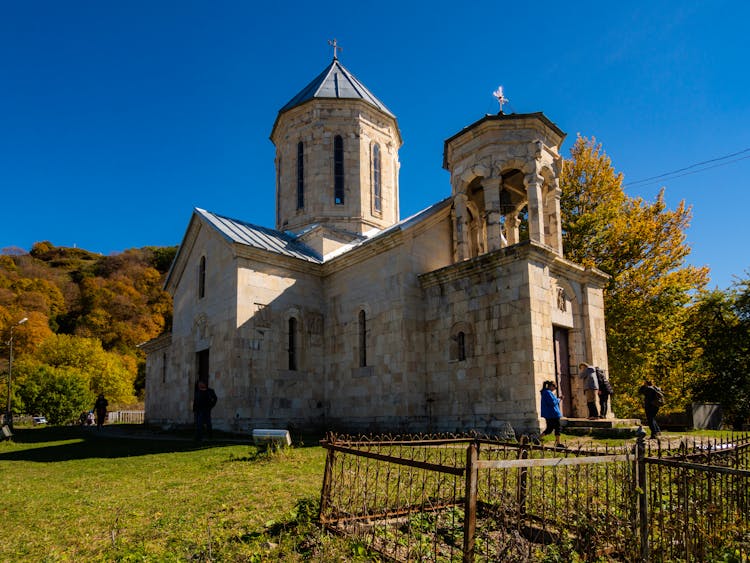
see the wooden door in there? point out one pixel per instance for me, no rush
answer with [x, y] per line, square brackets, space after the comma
[562, 369]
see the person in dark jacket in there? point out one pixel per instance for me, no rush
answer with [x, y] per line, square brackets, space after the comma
[203, 401]
[551, 411]
[605, 391]
[651, 394]
[100, 407]
[590, 388]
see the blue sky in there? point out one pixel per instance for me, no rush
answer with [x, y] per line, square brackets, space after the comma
[118, 118]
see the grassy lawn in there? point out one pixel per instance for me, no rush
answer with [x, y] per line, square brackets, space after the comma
[73, 494]
[124, 494]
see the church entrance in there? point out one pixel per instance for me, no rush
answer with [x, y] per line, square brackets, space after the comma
[202, 364]
[562, 369]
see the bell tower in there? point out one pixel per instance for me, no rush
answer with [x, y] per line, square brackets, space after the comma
[505, 173]
[336, 157]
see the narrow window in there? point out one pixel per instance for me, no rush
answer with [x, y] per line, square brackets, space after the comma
[163, 368]
[362, 339]
[293, 344]
[300, 176]
[461, 342]
[338, 170]
[376, 178]
[202, 278]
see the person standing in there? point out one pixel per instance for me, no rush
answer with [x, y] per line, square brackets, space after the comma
[605, 391]
[551, 411]
[590, 388]
[652, 401]
[204, 400]
[100, 407]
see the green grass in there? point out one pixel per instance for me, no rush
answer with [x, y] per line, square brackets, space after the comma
[72, 494]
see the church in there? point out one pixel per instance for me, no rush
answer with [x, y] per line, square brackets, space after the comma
[347, 317]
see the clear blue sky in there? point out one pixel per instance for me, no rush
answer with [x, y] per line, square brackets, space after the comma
[118, 118]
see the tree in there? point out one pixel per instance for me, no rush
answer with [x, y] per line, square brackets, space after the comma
[59, 393]
[720, 323]
[642, 246]
[105, 372]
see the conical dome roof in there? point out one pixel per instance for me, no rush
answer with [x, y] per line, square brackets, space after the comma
[335, 82]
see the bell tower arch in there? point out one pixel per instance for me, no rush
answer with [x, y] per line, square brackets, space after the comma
[505, 173]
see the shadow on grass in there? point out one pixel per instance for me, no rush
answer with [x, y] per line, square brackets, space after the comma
[64, 443]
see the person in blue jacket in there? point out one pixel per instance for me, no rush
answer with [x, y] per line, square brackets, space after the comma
[551, 411]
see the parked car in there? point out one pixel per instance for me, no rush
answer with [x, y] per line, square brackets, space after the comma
[39, 420]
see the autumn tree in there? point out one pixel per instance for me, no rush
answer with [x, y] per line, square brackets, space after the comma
[104, 372]
[642, 246]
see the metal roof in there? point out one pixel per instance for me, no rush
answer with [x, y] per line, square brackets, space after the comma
[287, 244]
[262, 238]
[337, 83]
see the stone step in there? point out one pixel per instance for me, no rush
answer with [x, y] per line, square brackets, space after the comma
[602, 427]
[600, 422]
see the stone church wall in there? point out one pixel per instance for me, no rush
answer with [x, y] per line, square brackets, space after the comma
[485, 299]
[205, 323]
[267, 390]
[387, 393]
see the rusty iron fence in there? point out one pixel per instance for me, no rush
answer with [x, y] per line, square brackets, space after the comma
[696, 500]
[474, 498]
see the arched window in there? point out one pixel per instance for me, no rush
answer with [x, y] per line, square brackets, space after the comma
[461, 344]
[292, 344]
[362, 339]
[376, 190]
[202, 278]
[300, 175]
[338, 170]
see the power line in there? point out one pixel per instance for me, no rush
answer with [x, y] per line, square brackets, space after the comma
[687, 170]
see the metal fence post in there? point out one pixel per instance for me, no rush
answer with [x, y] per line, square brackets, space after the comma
[325, 493]
[523, 485]
[470, 502]
[642, 492]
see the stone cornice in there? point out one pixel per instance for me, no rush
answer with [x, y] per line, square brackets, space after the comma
[277, 260]
[582, 274]
[475, 266]
[501, 122]
[524, 250]
[156, 344]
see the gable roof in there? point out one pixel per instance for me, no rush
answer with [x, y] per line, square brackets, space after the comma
[262, 238]
[335, 82]
[278, 242]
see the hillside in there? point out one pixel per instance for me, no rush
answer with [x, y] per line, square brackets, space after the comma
[115, 300]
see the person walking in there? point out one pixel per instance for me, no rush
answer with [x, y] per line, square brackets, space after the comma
[653, 398]
[204, 400]
[590, 388]
[551, 411]
[100, 408]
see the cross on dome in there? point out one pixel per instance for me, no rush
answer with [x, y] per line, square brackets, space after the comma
[333, 43]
